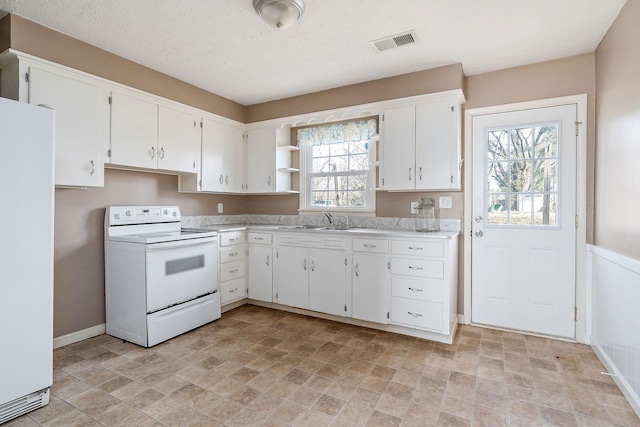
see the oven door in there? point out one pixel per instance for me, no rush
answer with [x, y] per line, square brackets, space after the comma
[179, 271]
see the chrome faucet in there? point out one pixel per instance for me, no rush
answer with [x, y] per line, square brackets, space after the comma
[329, 218]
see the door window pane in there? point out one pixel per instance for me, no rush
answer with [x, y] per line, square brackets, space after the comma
[522, 175]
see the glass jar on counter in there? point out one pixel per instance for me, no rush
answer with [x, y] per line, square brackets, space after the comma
[427, 215]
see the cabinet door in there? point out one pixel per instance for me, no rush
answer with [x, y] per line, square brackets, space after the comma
[327, 281]
[437, 146]
[134, 132]
[398, 149]
[371, 279]
[261, 160]
[235, 157]
[260, 273]
[82, 129]
[212, 156]
[178, 141]
[293, 286]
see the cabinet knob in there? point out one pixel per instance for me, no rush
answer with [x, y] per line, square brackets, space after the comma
[93, 168]
[410, 174]
[153, 152]
[268, 261]
[161, 153]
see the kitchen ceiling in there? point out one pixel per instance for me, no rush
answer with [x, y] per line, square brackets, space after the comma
[224, 47]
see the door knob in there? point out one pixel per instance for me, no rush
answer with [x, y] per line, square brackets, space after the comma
[479, 233]
[479, 219]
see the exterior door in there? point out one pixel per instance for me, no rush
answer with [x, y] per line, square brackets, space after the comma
[524, 233]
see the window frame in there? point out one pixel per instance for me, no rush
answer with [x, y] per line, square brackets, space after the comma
[306, 176]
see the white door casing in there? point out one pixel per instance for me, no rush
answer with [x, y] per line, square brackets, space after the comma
[523, 260]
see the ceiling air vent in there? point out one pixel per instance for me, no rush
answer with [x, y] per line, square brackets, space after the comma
[402, 39]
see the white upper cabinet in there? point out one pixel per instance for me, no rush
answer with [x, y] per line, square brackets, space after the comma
[178, 140]
[134, 131]
[223, 157]
[421, 146]
[151, 136]
[398, 149]
[269, 160]
[82, 125]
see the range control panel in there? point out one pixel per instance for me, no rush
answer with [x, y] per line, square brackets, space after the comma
[127, 215]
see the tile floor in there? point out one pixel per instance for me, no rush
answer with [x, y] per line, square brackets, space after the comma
[262, 367]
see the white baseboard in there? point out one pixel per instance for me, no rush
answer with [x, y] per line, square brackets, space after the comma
[78, 336]
[619, 379]
[463, 320]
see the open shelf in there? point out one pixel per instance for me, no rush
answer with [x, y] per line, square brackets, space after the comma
[288, 170]
[289, 147]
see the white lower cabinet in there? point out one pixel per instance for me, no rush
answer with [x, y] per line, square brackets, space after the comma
[310, 276]
[370, 280]
[328, 281]
[232, 266]
[293, 277]
[394, 281]
[260, 277]
[424, 284]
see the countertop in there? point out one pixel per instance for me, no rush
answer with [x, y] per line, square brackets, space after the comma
[221, 228]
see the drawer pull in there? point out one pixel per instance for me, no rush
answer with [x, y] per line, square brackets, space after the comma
[414, 314]
[268, 260]
[233, 239]
[411, 267]
[233, 291]
[258, 238]
[368, 245]
[415, 248]
[234, 254]
[416, 289]
[233, 271]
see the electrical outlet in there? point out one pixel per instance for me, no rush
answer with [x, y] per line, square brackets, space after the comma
[220, 208]
[445, 202]
[413, 207]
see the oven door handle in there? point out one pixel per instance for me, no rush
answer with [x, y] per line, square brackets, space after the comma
[151, 247]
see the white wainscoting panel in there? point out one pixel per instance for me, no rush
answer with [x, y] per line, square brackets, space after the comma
[615, 330]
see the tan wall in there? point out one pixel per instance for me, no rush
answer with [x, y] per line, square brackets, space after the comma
[5, 33]
[618, 135]
[79, 237]
[34, 39]
[439, 79]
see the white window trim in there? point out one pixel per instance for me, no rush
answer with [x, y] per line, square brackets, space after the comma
[304, 209]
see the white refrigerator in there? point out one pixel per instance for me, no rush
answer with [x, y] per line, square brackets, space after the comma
[26, 257]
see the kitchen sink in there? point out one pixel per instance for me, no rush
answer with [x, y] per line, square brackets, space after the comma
[301, 227]
[314, 227]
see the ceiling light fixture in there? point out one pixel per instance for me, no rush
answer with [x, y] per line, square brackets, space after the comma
[279, 13]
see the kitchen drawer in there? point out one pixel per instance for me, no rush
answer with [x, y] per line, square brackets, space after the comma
[231, 253]
[378, 246]
[232, 238]
[232, 270]
[416, 314]
[417, 248]
[232, 290]
[416, 289]
[260, 238]
[418, 267]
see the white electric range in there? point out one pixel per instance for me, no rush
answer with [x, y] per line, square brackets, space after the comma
[160, 279]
